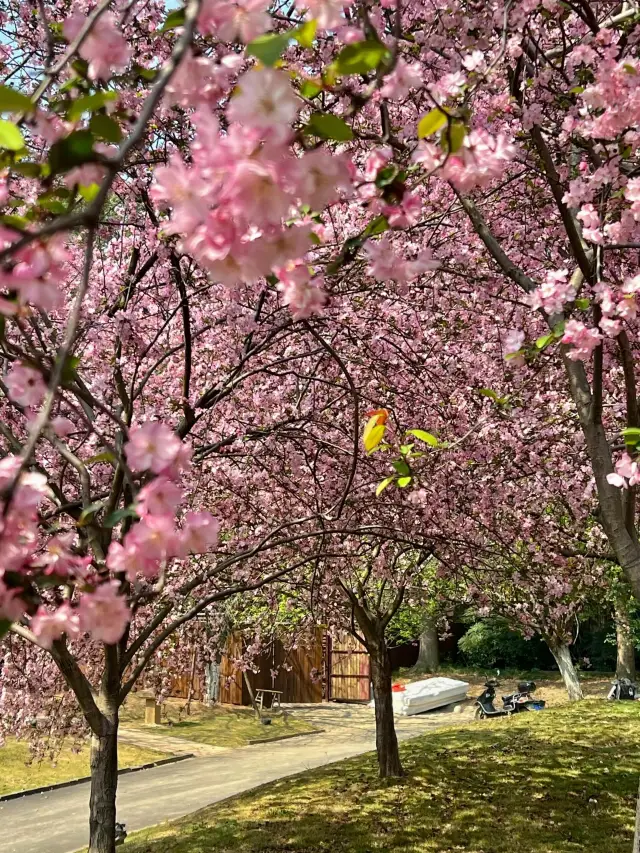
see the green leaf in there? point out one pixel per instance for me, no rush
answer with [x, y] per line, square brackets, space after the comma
[51, 203]
[361, 57]
[406, 448]
[631, 436]
[27, 168]
[305, 33]
[73, 150]
[10, 136]
[106, 128]
[5, 624]
[401, 467]
[328, 126]
[378, 225]
[104, 456]
[583, 304]
[69, 368]
[425, 436]
[12, 101]
[310, 88]
[491, 394]
[268, 48]
[387, 175]
[403, 482]
[433, 121]
[383, 485]
[88, 193]
[544, 341]
[453, 136]
[89, 104]
[118, 515]
[174, 19]
[88, 512]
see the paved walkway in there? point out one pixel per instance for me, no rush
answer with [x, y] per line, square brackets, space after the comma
[57, 821]
[166, 743]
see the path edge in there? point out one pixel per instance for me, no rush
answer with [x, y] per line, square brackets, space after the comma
[284, 737]
[16, 795]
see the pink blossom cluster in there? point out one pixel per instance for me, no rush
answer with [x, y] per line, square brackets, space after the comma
[554, 292]
[105, 48]
[234, 20]
[200, 80]
[385, 264]
[627, 472]
[481, 159]
[582, 338]
[18, 530]
[231, 205]
[328, 13]
[35, 273]
[154, 539]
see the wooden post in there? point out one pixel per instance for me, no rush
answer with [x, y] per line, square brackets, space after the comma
[151, 712]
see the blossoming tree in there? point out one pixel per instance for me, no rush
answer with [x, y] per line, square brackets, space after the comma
[215, 217]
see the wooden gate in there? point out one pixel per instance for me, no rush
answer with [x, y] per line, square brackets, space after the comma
[348, 670]
[296, 672]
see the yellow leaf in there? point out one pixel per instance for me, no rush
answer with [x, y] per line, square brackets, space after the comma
[433, 121]
[373, 434]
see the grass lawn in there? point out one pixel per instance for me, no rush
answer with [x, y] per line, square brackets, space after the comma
[558, 781]
[17, 775]
[218, 726]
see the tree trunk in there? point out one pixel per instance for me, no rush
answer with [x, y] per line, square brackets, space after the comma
[104, 781]
[428, 655]
[562, 655]
[626, 663]
[386, 739]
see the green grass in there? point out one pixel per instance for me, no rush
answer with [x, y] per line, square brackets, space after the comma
[217, 726]
[559, 781]
[16, 774]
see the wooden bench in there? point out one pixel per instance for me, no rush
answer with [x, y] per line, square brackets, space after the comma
[275, 698]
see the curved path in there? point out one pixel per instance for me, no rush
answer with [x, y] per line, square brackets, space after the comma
[57, 821]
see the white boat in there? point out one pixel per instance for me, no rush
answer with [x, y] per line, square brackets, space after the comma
[425, 695]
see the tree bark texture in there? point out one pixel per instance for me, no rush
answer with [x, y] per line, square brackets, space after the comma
[626, 659]
[104, 782]
[428, 655]
[386, 739]
[562, 655]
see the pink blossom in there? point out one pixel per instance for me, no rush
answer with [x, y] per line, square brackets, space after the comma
[304, 296]
[321, 176]
[554, 292]
[159, 497]
[105, 48]
[402, 79]
[176, 186]
[376, 160]
[512, 342]
[103, 613]
[326, 12]
[25, 385]
[11, 605]
[265, 101]
[627, 472]
[406, 213]
[49, 626]
[229, 20]
[475, 61]
[583, 339]
[62, 426]
[200, 533]
[152, 446]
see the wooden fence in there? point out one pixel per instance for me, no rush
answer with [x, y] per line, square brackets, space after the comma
[325, 668]
[348, 670]
[297, 671]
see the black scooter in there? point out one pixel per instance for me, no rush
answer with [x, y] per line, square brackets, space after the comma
[623, 688]
[522, 700]
[514, 703]
[484, 703]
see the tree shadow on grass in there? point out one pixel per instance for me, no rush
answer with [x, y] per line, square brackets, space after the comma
[558, 782]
